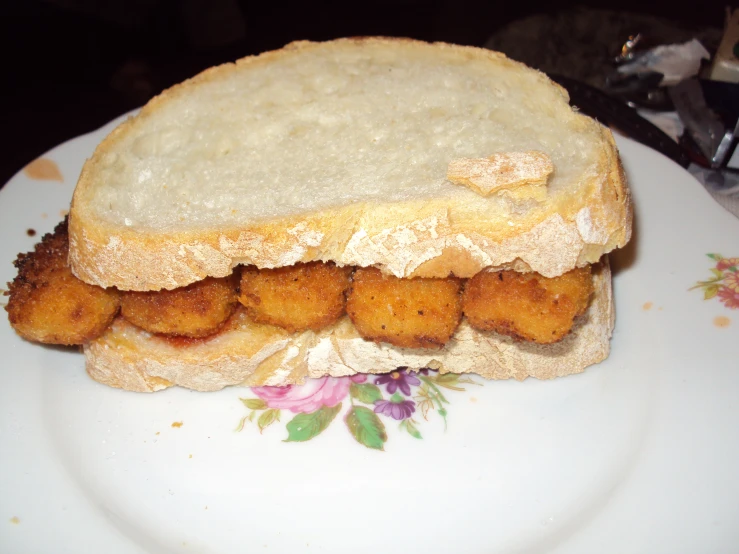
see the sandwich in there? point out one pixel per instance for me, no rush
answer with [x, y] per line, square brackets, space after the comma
[351, 206]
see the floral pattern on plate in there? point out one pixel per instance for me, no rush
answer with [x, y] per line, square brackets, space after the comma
[373, 400]
[725, 281]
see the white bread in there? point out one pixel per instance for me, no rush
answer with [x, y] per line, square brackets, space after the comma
[517, 174]
[339, 151]
[250, 354]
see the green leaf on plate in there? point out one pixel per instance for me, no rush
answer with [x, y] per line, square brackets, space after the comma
[396, 398]
[447, 378]
[267, 418]
[448, 381]
[240, 426]
[443, 414]
[716, 257]
[703, 284]
[365, 392]
[366, 427]
[434, 391]
[710, 292]
[411, 428]
[304, 427]
[254, 403]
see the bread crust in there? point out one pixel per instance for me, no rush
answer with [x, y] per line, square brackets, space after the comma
[254, 355]
[426, 238]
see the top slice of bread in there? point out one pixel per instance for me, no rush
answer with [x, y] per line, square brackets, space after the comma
[339, 151]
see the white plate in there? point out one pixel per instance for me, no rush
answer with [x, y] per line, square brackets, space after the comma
[638, 454]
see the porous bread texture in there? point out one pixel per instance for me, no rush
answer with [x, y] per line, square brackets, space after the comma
[250, 354]
[338, 151]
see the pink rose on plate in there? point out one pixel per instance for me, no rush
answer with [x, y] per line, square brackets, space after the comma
[310, 396]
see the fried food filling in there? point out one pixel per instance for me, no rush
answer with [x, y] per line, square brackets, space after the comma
[49, 304]
[410, 313]
[527, 306]
[194, 311]
[297, 297]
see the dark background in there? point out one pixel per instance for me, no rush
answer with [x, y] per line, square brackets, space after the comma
[69, 66]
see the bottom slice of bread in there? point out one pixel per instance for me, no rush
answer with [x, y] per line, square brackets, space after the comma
[250, 354]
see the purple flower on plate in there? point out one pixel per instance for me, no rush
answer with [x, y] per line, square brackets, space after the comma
[397, 410]
[398, 379]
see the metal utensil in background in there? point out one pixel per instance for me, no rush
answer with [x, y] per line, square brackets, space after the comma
[710, 112]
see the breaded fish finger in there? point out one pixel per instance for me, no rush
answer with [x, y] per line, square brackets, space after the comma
[49, 304]
[195, 311]
[527, 306]
[410, 313]
[296, 298]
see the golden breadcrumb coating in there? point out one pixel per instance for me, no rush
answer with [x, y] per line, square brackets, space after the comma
[49, 304]
[296, 298]
[410, 313]
[527, 306]
[197, 310]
